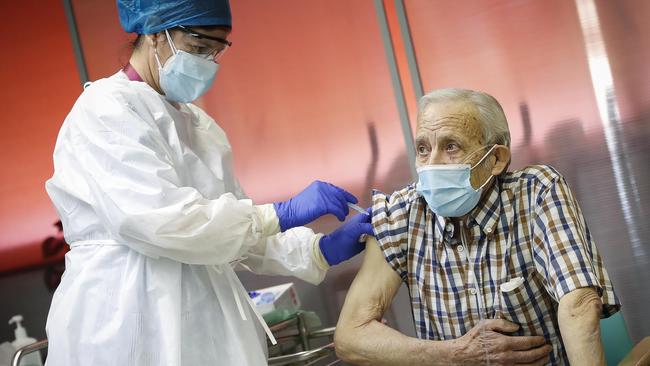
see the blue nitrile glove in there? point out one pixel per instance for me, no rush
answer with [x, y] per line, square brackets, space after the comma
[318, 199]
[343, 243]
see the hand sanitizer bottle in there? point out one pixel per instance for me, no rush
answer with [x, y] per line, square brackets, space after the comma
[22, 340]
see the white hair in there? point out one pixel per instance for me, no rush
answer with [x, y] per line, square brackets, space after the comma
[493, 121]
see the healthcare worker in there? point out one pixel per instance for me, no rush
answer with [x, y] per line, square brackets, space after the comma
[155, 218]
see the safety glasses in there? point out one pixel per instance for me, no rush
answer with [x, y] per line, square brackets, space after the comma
[214, 53]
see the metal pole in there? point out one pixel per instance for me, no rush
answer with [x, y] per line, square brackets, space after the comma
[22, 352]
[397, 85]
[410, 51]
[76, 42]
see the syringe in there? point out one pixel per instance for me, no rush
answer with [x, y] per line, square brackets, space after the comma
[357, 208]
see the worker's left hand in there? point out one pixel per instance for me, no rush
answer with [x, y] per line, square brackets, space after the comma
[318, 199]
[344, 243]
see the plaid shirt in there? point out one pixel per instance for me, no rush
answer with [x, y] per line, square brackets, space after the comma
[527, 227]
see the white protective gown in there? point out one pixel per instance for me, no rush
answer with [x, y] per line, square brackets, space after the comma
[155, 219]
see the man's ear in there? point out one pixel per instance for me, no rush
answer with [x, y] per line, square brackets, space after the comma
[502, 155]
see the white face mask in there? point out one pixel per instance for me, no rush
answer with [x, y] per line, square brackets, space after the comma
[185, 77]
[447, 188]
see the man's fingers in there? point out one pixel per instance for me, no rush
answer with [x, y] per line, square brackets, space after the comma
[501, 325]
[540, 362]
[523, 343]
[532, 355]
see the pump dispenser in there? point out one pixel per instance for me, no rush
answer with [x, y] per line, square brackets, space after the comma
[22, 340]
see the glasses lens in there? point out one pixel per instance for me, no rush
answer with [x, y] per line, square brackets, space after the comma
[214, 51]
[218, 54]
[214, 54]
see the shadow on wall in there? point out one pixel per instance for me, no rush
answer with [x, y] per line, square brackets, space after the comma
[54, 248]
[585, 161]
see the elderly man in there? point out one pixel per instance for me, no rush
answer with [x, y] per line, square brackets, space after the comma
[500, 266]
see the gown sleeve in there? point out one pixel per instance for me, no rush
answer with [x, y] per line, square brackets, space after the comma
[294, 252]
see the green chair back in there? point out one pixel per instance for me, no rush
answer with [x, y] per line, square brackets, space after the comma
[616, 341]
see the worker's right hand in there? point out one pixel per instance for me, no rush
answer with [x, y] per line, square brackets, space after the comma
[318, 199]
[344, 243]
[486, 341]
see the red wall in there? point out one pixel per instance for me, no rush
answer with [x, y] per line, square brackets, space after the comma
[301, 84]
[295, 94]
[39, 85]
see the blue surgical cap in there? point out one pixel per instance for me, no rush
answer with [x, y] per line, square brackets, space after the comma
[153, 16]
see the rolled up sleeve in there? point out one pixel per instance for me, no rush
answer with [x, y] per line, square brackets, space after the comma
[390, 225]
[564, 251]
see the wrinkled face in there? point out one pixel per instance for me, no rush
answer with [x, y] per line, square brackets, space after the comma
[450, 133]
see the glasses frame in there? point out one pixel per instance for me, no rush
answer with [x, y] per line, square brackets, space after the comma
[196, 34]
[215, 55]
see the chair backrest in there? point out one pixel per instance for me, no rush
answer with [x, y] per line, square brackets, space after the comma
[616, 341]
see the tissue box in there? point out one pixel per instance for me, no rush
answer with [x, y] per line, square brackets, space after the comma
[280, 297]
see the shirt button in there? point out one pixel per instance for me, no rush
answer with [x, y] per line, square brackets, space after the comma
[472, 291]
[488, 230]
[449, 227]
[460, 248]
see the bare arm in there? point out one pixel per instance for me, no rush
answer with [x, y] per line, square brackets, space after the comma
[579, 318]
[361, 338]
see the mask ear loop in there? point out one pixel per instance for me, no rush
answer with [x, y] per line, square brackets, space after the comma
[479, 162]
[171, 45]
[155, 53]
[484, 156]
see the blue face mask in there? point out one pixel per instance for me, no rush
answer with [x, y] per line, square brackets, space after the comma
[185, 77]
[447, 188]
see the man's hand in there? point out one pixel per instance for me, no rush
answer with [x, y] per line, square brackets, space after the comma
[486, 341]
